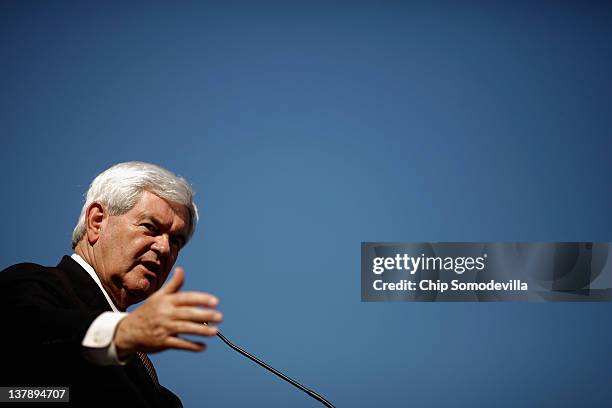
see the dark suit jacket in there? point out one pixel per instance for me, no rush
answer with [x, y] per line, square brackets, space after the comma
[45, 313]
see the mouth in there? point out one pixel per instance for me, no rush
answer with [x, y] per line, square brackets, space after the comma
[152, 269]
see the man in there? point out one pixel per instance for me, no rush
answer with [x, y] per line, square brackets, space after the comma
[67, 325]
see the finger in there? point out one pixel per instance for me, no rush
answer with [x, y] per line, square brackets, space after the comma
[175, 282]
[198, 315]
[195, 299]
[182, 344]
[198, 329]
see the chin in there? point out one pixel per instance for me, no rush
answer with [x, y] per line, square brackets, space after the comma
[140, 290]
[136, 296]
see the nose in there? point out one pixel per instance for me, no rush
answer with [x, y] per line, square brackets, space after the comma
[162, 245]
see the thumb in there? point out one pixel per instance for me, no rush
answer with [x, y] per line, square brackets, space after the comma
[175, 282]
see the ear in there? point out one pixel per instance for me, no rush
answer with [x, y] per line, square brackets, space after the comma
[94, 218]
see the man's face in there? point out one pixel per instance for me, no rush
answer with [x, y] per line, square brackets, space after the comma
[136, 250]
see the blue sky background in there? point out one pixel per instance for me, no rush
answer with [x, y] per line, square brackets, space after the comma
[307, 128]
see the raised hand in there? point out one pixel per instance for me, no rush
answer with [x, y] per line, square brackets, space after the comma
[164, 316]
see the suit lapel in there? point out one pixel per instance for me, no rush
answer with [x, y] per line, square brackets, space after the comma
[86, 289]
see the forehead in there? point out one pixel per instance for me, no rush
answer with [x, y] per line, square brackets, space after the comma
[172, 214]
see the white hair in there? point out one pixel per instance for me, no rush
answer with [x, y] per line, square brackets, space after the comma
[119, 188]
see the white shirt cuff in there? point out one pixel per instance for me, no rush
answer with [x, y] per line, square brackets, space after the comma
[98, 344]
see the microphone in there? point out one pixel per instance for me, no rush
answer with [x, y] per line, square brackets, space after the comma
[275, 371]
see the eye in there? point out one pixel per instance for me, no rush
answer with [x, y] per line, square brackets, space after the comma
[177, 242]
[149, 226]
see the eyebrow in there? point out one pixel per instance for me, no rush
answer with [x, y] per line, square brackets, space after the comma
[157, 221]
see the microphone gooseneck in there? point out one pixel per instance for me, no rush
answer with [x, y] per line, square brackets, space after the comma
[275, 371]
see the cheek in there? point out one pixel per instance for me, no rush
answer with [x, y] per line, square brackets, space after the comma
[139, 245]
